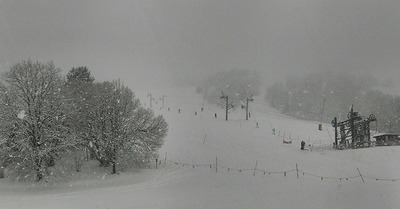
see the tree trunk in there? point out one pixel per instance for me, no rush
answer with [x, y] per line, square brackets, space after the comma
[39, 174]
[1, 172]
[114, 161]
[114, 168]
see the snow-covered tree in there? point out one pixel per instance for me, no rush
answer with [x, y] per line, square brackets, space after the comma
[121, 131]
[32, 119]
[80, 74]
[78, 91]
[42, 117]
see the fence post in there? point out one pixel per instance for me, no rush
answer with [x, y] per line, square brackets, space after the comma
[297, 170]
[361, 175]
[216, 164]
[255, 168]
[204, 140]
[156, 163]
[165, 159]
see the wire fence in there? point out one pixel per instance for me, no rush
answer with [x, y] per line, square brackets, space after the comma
[218, 167]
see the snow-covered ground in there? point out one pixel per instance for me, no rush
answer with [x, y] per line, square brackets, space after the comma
[254, 168]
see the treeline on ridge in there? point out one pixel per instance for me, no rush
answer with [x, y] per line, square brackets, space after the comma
[238, 85]
[303, 97]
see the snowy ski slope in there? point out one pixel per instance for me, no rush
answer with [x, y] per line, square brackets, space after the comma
[213, 163]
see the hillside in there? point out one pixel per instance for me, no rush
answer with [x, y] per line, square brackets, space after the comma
[213, 163]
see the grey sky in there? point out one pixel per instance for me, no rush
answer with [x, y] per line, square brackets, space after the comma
[170, 42]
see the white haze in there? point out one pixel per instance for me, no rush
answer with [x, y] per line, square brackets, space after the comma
[165, 43]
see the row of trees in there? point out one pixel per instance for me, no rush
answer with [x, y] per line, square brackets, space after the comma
[45, 116]
[238, 85]
[304, 96]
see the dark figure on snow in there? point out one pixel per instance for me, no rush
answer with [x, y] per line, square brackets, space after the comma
[302, 145]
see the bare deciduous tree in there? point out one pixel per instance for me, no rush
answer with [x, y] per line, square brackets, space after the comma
[32, 119]
[123, 132]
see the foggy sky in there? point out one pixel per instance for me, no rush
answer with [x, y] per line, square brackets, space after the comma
[163, 43]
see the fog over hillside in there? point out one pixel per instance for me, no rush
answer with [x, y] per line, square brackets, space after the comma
[160, 43]
[124, 103]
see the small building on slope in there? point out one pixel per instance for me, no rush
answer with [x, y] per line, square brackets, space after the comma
[387, 139]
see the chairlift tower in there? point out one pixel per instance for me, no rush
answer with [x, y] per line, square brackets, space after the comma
[227, 105]
[354, 132]
[247, 106]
